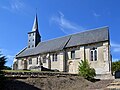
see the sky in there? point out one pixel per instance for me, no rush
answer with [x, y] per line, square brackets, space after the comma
[56, 18]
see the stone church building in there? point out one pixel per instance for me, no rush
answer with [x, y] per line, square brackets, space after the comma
[65, 53]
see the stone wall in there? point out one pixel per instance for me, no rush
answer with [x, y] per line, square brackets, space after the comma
[59, 63]
[103, 63]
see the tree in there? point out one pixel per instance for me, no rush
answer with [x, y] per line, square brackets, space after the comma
[2, 64]
[86, 71]
[115, 66]
[7, 68]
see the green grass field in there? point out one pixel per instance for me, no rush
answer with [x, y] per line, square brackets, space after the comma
[21, 71]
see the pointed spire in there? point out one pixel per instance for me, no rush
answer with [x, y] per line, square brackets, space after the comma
[35, 25]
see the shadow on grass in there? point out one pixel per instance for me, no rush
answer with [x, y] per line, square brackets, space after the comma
[18, 85]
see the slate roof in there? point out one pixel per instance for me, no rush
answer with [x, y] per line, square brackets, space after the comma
[47, 46]
[91, 36]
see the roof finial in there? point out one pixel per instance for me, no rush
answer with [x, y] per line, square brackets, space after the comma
[36, 12]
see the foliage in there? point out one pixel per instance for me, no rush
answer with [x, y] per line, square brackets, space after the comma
[7, 68]
[115, 66]
[2, 63]
[85, 70]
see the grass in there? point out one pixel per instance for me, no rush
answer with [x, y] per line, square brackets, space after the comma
[28, 71]
[21, 71]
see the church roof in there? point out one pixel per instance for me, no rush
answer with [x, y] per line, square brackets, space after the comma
[91, 36]
[87, 37]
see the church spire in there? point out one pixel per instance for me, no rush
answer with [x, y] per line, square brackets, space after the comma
[35, 25]
[34, 37]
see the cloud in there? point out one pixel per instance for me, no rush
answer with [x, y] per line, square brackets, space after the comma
[14, 5]
[115, 47]
[96, 14]
[65, 25]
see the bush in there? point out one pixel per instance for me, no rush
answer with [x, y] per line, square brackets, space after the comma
[7, 68]
[85, 70]
[115, 66]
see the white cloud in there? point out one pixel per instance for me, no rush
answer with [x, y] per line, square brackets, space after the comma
[115, 47]
[66, 25]
[14, 5]
[96, 14]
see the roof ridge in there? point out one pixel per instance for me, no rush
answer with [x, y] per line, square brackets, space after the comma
[88, 30]
[86, 37]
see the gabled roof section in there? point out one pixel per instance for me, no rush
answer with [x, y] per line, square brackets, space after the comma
[91, 36]
[21, 51]
[87, 37]
[46, 46]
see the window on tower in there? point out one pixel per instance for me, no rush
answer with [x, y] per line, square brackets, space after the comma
[29, 46]
[29, 35]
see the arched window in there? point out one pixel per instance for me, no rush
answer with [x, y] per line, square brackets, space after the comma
[37, 60]
[72, 54]
[55, 57]
[93, 54]
[30, 61]
[44, 59]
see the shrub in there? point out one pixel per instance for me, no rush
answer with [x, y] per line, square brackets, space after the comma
[115, 66]
[86, 71]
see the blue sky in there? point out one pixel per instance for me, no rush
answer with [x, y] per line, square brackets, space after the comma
[56, 18]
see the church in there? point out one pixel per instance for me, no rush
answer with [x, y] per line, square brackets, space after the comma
[65, 53]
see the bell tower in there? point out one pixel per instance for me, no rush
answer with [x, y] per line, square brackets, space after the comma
[34, 37]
